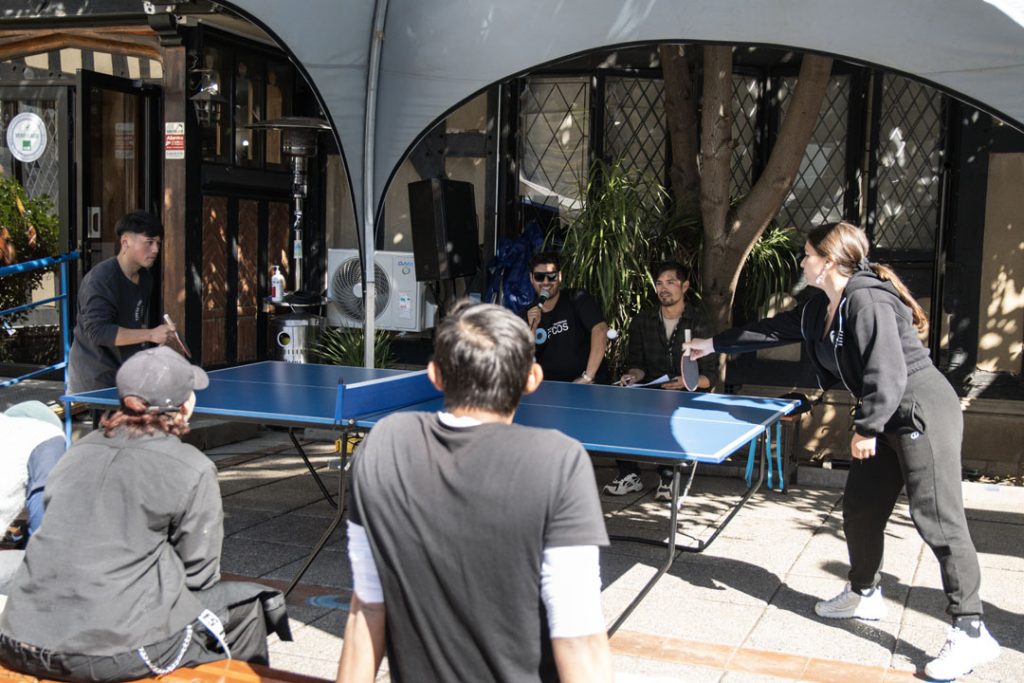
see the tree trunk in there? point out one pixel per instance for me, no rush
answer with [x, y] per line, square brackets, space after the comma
[681, 121]
[730, 234]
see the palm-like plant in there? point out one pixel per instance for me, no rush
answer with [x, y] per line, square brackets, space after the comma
[610, 244]
[770, 268]
[344, 346]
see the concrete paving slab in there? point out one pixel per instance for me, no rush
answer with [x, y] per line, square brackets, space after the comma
[719, 580]
[681, 617]
[331, 568]
[869, 643]
[321, 640]
[239, 519]
[643, 670]
[281, 495]
[306, 665]
[294, 529]
[1000, 544]
[257, 558]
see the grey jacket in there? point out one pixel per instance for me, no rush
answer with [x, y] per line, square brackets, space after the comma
[132, 527]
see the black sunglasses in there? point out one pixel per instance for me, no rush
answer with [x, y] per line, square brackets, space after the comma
[539, 276]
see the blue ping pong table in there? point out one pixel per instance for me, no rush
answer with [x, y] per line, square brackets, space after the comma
[647, 425]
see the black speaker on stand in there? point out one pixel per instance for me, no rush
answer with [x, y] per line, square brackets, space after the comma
[445, 236]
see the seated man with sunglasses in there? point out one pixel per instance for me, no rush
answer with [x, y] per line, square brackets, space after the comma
[570, 330]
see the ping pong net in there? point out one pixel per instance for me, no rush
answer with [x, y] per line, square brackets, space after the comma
[382, 395]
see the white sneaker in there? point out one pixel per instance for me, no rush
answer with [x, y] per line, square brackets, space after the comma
[852, 605]
[664, 492]
[961, 654]
[624, 485]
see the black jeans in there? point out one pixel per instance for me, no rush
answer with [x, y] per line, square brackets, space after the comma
[246, 635]
[920, 449]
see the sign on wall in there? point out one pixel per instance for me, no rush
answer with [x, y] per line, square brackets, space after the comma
[26, 136]
[174, 140]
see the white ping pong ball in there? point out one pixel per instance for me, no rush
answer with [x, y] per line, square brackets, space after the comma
[613, 334]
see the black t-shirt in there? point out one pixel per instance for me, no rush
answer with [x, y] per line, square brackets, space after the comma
[107, 300]
[563, 337]
[458, 519]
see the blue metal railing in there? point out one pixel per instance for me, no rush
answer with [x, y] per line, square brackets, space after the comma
[49, 262]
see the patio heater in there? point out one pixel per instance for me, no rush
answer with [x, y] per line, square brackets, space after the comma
[298, 141]
[293, 334]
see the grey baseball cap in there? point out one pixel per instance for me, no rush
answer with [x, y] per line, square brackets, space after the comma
[160, 377]
[36, 410]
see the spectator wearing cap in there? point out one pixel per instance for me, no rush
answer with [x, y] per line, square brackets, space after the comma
[122, 581]
[33, 442]
[112, 314]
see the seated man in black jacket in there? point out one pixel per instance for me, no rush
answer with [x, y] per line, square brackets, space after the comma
[122, 580]
[656, 337]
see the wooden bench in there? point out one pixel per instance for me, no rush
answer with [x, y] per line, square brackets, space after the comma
[224, 671]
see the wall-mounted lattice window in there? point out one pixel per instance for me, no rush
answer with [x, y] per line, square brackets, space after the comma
[909, 159]
[820, 188]
[554, 140]
[634, 125]
[746, 93]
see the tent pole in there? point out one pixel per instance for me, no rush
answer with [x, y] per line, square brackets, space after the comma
[369, 205]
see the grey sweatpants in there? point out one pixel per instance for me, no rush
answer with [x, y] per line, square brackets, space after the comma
[920, 449]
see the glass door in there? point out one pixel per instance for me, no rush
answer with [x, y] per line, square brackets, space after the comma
[117, 157]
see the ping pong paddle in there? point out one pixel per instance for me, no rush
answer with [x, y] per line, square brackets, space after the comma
[689, 371]
[177, 337]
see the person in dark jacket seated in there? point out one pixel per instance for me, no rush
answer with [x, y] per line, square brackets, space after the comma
[122, 579]
[862, 329]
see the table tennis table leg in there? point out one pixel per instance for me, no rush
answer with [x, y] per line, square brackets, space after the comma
[312, 470]
[765, 448]
[671, 546]
[335, 522]
[669, 558]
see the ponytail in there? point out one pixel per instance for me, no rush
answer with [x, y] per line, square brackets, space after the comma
[887, 273]
[134, 417]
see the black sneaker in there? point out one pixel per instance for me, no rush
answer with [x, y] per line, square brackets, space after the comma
[16, 536]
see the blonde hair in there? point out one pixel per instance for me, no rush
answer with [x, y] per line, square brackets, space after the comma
[846, 246]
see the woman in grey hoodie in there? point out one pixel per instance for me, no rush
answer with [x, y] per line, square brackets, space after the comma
[861, 328]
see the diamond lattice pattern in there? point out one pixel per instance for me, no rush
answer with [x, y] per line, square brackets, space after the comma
[818, 193]
[746, 92]
[554, 142]
[634, 129]
[909, 159]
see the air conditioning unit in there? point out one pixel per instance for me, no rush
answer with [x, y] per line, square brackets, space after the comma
[401, 302]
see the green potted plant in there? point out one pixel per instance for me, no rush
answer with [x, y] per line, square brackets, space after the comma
[29, 229]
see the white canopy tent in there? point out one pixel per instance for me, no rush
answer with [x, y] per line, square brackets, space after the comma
[434, 55]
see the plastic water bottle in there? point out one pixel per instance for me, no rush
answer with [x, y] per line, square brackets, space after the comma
[277, 286]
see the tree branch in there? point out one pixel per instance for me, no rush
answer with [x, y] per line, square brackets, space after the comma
[716, 145]
[766, 197]
[681, 120]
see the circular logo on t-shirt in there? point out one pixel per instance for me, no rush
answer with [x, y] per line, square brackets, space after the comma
[542, 335]
[26, 136]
